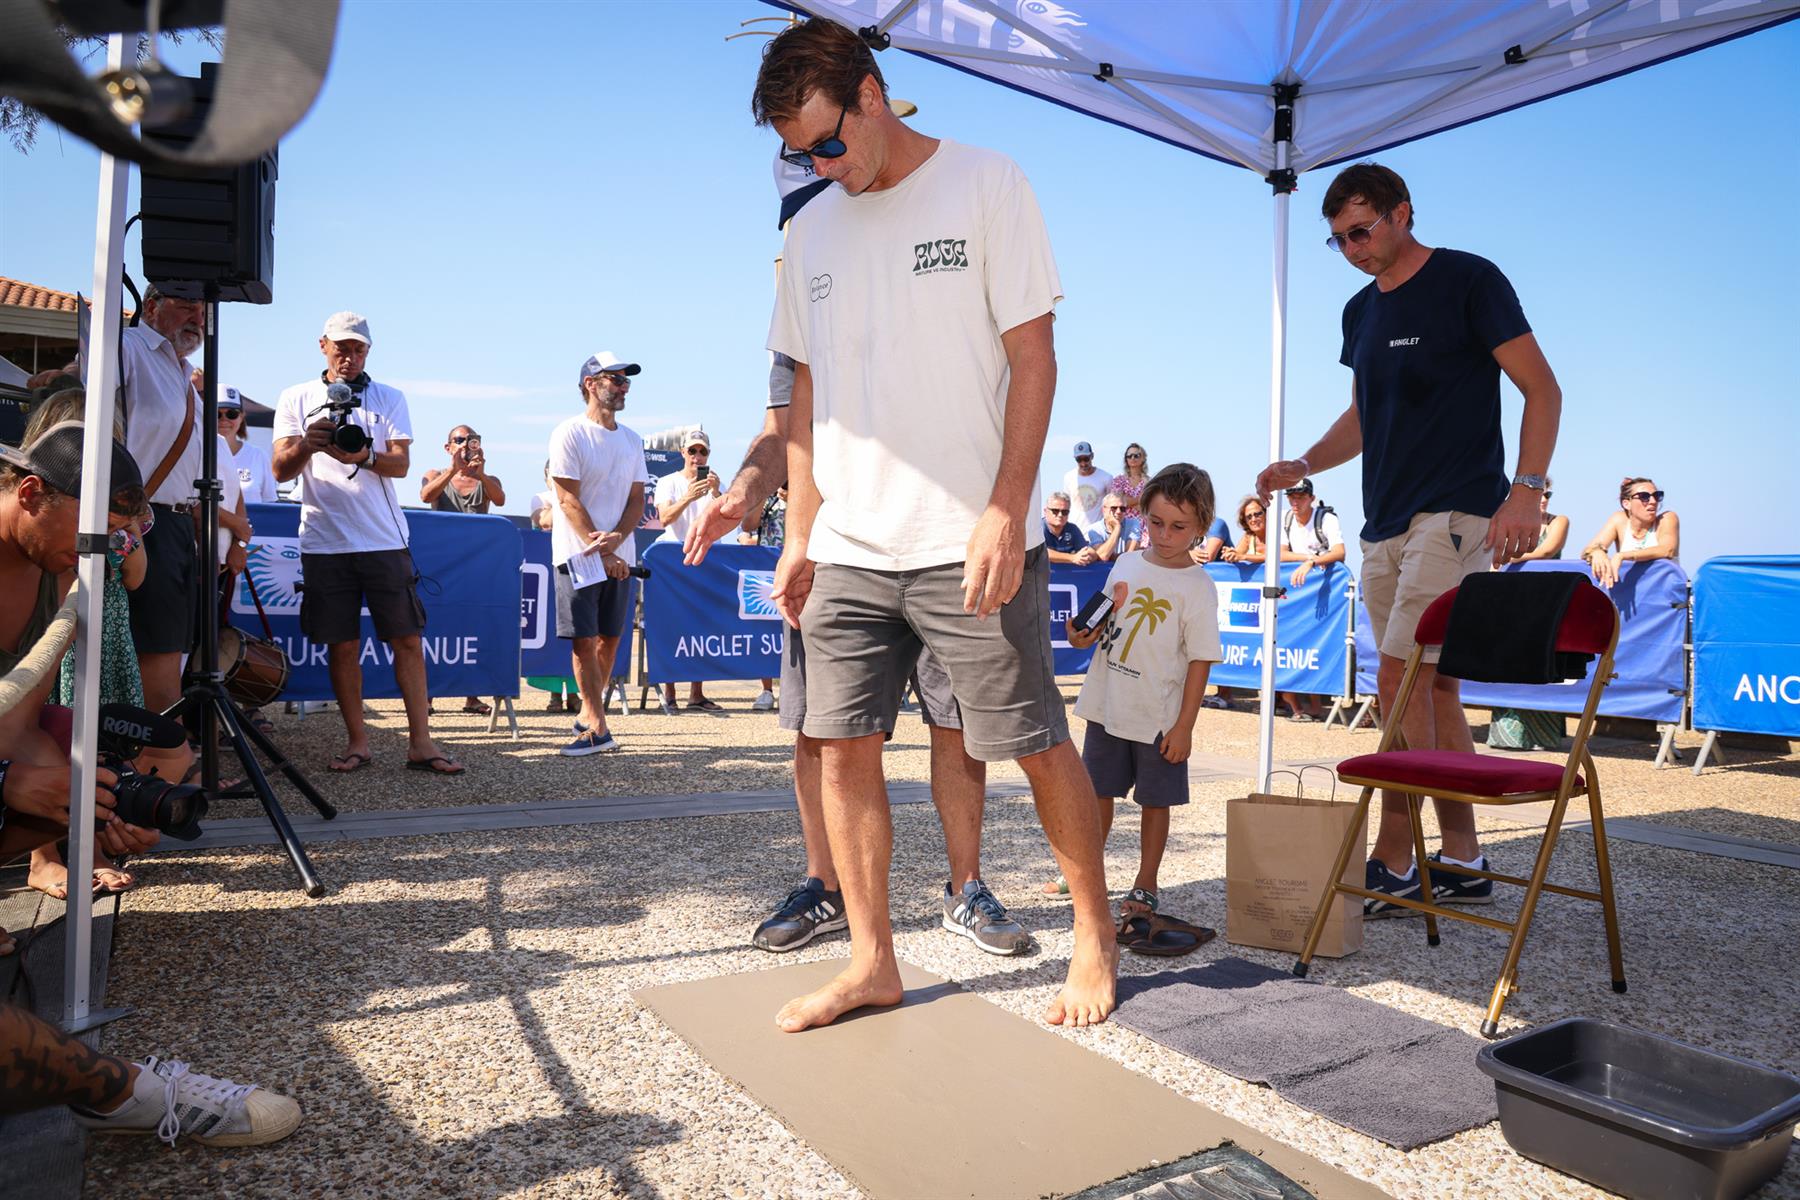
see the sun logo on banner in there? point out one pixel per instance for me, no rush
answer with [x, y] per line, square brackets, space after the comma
[274, 565]
[756, 596]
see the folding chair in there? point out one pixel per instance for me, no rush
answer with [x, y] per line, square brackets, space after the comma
[1590, 626]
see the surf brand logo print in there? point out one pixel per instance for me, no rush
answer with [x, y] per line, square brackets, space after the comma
[756, 596]
[945, 254]
[820, 287]
[274, 565]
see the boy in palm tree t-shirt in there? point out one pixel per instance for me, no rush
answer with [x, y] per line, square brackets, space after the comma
[1143, 689]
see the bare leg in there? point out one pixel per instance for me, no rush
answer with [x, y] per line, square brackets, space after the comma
[41, 1066]
[1154, 835]
[861, 831]
[958, 789]
[344, 662]
[1393, 837]
[1070, 814]
[162, 680]
[811, 803]
[1456, 820]
[592, 658]
[409, 673]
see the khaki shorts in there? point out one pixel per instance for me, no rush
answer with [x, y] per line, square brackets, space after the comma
[864, 630]
[1404, 574]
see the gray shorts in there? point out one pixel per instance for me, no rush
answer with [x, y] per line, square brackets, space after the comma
[936, 704]
[865, 628]
[1117, 766]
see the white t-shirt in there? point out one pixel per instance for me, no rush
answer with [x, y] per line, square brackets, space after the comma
[232, 492]
[1304, 539]
[156, 385]
[604, 463]
[669, 489]
[896, 301]
[1170, 619]
[346, 509]
[256, 476]
[1085, 494]
[539, 503]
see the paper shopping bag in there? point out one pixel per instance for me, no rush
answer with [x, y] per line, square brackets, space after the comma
[1278, 853]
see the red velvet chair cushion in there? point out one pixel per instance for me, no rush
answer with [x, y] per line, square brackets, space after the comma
[1477, 774]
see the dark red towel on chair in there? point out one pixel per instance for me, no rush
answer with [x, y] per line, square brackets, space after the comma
[1503, 628]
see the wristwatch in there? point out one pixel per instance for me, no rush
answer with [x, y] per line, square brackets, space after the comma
[240, 543]
[371, 459]
[1536, 483]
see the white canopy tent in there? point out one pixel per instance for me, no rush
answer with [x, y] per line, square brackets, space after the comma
[1284, 86]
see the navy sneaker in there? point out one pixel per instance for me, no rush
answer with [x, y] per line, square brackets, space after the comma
[1450, 888]
[978, 915]
[1377, 878]
[589, 743]
[810, 910]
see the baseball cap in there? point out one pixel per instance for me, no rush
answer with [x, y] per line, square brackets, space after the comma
[1083, 450]
[348, 326]
[1305, 485]
[607, 362]
[56, 459]
[230, 398]
[697, 438]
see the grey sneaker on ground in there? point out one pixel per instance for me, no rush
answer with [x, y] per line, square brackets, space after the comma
[170, 1100]
[810, 910]
[764, 702]
[977, 915]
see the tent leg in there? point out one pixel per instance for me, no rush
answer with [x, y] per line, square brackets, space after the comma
[1708, 749]
[1666, 750]
[1282, 180]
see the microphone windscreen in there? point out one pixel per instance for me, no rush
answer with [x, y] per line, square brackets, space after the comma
[338, 393]
[141, 725]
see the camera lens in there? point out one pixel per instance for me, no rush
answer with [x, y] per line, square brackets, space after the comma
[152, 803]
[350, 439]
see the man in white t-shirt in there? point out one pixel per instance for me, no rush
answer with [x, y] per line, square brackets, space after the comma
[916, 301]
[353, 540]
[1086, 485]
[682, 498]
[598, 473]
[1311, 534]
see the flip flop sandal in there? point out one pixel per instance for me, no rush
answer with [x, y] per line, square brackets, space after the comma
[479, 708]
[1059, 889]
[107, 889]
[262, 724]
[1163, 937]
[431, 765]
[356, 763]
[1138, 896]
[705, 706]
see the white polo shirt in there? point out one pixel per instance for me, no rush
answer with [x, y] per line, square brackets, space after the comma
[155, 383]
[346, 509]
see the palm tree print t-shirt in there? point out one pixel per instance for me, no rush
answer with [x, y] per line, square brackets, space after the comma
[1170, 619]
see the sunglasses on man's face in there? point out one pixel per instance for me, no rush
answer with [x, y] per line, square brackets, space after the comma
[1057, 512]
[698, 452]
[831, 147]
[1354, 237]
[1647, 497]
[471, 437]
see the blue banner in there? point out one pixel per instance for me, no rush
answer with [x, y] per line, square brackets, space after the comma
[471, 638]
[1651, 681]
[1311, 624]
[713, 621]
[1747, 645]
[541, 652]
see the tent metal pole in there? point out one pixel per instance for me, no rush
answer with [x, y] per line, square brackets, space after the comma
[102, 378]
[1282, 180]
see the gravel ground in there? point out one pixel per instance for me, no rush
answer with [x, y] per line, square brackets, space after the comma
[456, 1016]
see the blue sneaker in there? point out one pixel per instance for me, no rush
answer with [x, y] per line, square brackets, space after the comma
[1377, 878]
[1450, 888]
[589, 743]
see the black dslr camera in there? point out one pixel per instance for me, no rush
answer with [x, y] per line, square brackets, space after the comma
[340, 401]
[148, 801]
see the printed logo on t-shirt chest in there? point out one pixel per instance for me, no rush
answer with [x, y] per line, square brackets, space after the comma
[944, 254]
[1396, 342]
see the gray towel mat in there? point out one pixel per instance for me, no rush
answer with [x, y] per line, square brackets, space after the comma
[1391, 1075]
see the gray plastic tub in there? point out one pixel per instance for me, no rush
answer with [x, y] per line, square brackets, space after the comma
[1639, 1114]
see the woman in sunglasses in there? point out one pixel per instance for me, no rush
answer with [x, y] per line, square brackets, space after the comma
[1639, 531]
[1253, 519]
[1128, 485]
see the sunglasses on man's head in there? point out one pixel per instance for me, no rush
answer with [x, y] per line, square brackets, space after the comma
[831, 147]
[1647, 497]
[1297, 492]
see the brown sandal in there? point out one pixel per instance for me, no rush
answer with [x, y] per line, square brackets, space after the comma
[1162, 936]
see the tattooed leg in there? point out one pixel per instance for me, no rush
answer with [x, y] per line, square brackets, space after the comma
[40, 1066]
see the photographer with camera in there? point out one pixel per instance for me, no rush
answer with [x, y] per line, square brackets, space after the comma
[39, 518]
[348, 438]
[682, 498]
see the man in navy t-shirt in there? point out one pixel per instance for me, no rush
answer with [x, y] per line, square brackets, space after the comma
[1426, 342]
[1065, 543]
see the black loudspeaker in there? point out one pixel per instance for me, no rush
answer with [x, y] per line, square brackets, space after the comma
[214, 225]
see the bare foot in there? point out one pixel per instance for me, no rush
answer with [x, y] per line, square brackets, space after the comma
[49, 877]
[1089, 993]
[854, 988]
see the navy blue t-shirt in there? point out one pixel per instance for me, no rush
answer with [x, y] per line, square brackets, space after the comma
[1428, 390]
[1069, 541]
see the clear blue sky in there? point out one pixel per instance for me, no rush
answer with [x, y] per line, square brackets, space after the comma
[504, 189]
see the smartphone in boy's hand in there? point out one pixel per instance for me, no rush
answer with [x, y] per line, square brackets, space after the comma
[1094, 613]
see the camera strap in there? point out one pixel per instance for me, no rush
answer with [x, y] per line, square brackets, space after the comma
[174, 455]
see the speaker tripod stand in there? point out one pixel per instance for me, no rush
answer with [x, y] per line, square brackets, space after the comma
[208, 707]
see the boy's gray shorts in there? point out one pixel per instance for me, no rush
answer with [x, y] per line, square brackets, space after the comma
[864, 630]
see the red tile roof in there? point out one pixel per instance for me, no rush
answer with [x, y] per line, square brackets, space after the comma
[29, 295]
